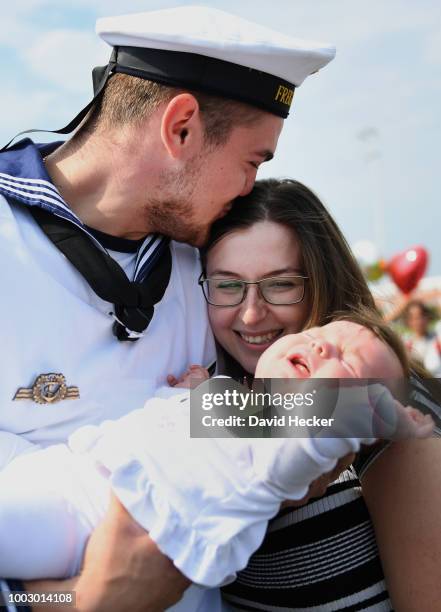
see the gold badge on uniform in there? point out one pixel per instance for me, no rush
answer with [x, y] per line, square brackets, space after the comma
[48, 389]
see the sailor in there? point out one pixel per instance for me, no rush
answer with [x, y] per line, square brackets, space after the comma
[98, 233]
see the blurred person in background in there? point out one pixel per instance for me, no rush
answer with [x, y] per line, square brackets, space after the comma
[422, 342]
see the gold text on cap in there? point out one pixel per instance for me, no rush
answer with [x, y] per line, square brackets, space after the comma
[284, 95]
[48, 389]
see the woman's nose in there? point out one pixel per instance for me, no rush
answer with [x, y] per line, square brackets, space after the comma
[254, 308]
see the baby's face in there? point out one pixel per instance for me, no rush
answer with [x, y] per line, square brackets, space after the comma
[338, 350]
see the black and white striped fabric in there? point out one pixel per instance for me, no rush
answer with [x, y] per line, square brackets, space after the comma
[23, 178]
[323, 557]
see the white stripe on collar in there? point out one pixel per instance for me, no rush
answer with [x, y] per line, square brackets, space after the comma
[39, 192]
[51, 204]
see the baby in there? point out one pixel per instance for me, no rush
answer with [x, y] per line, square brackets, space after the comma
[341, 349]
[205, 502]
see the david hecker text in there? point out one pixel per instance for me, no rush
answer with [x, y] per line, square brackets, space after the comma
[276, 421]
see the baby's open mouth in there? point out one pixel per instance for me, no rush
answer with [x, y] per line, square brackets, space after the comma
[300, 366]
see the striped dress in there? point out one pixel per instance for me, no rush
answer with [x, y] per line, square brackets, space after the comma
[322, 556]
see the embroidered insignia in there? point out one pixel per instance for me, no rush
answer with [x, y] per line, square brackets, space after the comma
[48, 389]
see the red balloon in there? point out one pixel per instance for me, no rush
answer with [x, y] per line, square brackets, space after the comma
[407, 268]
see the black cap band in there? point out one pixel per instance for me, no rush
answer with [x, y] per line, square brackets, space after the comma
[207, 74]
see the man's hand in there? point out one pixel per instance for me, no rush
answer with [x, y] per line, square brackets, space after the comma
[124, 569]
[319, 486]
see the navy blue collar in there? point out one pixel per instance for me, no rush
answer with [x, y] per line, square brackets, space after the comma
[24, 179]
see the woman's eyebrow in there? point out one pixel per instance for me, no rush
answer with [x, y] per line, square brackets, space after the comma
[284, 271]
[223, 273]
[269, 274]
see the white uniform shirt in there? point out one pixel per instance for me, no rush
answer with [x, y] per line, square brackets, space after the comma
[52, 322]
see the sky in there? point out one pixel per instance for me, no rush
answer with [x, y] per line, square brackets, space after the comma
[364, 133]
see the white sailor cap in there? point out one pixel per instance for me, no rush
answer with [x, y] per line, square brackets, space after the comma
[209, 50]
[204, 49]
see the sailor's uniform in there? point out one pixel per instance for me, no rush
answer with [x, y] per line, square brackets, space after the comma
[52, 322]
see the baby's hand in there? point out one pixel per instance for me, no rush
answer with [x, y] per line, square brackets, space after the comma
[394, 421]
[412, 423]
[370, 412]
[192, 378]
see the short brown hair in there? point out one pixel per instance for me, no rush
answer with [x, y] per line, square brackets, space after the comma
[129, 99]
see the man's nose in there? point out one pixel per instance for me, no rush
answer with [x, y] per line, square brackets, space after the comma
[254, 308]
[249, 183]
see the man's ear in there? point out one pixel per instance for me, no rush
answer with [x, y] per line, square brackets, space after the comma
[181, 127]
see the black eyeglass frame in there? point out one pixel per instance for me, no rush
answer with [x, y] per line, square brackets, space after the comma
[245, 284]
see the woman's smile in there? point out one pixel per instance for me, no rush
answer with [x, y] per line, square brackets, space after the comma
[259, 340]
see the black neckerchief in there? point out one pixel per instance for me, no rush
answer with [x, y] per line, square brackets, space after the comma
[134, 301]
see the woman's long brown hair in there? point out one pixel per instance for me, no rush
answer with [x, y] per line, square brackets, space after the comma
[336, 286]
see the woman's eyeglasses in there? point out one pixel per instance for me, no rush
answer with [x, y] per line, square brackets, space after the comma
[277, 290]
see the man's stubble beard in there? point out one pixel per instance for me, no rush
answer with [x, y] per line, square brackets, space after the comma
[172, 215]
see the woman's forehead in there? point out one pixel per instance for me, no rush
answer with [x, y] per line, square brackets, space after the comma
[264, 244]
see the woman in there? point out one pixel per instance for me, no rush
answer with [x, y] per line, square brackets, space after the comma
[324, 555]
